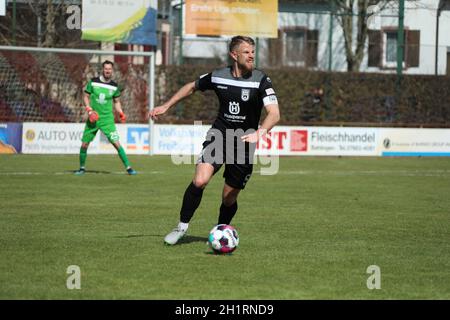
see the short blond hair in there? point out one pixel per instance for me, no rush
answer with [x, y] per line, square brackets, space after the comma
[237, 40]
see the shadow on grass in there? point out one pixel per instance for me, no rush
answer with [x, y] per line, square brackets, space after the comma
[212, 253]
[90, 172]
[190, 239]
[209, 251]
[184, 240]
[139, 236]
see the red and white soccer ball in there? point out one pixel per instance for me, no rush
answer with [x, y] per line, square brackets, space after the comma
[223, 238]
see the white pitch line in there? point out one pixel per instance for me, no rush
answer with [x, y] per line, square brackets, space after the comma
[411, 173]
[37, 173]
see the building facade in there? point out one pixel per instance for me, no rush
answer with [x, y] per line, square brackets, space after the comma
[311, 36]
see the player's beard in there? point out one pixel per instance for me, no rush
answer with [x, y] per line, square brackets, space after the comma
[107, 78]
[246, 67]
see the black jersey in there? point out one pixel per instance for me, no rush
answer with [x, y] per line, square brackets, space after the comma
[241, 99]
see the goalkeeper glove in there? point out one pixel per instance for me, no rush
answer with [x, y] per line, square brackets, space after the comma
[123, 117]
[93, 116]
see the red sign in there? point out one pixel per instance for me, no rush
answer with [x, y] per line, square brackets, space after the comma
[299, 140]
[272, 141]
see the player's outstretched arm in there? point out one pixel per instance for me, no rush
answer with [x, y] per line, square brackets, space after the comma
[181, 94]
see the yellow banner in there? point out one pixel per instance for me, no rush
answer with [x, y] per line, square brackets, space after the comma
[257, 18]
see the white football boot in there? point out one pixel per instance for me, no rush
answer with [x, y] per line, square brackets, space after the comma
[176, 234]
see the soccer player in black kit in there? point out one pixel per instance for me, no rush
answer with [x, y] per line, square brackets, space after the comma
[242, 91]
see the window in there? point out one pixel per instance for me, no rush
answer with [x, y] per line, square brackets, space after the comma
[374, 48]
[383, 48]
[296, 47]
[448, 61]
[390, 49]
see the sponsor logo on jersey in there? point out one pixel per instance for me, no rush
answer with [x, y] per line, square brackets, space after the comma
[234, 108]
[101, 98]
[222, 87]
[270, 91]
[245, 94]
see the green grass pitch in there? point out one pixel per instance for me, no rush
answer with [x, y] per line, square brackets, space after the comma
[308, 232]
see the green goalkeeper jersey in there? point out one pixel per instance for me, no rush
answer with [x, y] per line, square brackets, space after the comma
[101, 97]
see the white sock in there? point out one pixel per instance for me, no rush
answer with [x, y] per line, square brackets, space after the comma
[183, 226]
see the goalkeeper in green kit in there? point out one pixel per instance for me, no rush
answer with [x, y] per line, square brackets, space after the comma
[100, 95]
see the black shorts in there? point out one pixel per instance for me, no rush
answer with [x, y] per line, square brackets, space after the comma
[238, 163]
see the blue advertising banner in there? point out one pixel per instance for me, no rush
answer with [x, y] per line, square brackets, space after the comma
[10, 137]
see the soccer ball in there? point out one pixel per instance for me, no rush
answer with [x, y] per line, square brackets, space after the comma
[223, 238]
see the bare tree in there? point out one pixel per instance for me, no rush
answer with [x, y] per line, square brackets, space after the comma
[346, 11]
[40, 23]
[46, 12]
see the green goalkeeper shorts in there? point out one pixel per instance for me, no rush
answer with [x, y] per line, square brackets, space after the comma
[109, 129]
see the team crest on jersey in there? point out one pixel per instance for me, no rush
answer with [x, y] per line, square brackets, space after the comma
[245, 94]
[233, 107]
